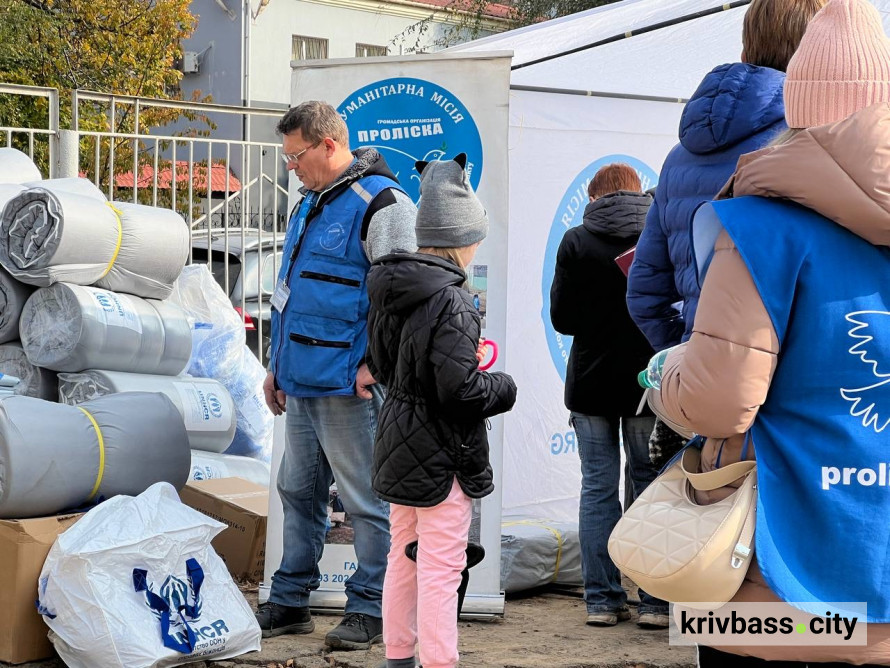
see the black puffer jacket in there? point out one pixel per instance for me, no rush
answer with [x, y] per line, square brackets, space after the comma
[423, 335]
[587, 301]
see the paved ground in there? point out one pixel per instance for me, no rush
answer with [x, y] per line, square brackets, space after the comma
[545, 630]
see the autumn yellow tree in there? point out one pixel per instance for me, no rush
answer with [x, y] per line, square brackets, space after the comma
[127, 47]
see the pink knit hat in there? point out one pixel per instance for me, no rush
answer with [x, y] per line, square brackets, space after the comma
[841, 66]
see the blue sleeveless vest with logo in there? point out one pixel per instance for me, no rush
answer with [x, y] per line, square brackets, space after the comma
[823, 436]
[321, 337]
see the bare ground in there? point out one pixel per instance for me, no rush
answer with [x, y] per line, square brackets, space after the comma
[541, 630]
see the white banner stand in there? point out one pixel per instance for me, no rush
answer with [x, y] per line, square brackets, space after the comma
[424, 107]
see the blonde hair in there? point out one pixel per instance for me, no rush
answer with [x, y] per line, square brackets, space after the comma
[453, 254]
[785, 137]
[773, 29]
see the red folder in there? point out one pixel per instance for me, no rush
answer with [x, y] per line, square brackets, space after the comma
[625, 260]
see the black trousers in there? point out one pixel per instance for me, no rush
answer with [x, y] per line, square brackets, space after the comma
[708, 657]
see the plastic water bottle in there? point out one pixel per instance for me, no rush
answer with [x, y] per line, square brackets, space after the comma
[650, 377]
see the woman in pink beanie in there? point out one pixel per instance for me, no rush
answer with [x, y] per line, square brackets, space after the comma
[791, 351]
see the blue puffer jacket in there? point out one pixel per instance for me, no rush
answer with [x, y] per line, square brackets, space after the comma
[738, 108]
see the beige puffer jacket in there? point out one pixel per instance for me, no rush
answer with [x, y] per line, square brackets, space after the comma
[717, 381]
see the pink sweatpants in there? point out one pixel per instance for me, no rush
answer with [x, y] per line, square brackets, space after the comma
[420, 600]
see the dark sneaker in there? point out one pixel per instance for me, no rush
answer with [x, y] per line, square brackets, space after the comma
[277, 620]
[355, 631]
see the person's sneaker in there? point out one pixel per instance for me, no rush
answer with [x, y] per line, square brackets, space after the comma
[355, 631]
[653, 620]
[276, 619]
[608, 618]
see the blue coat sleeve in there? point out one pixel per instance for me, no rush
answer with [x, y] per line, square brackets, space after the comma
[651, 290]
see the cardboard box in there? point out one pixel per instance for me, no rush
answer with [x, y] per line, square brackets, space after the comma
[244, 507]
[24, 545]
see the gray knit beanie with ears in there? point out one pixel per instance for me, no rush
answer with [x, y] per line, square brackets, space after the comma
[449, 214]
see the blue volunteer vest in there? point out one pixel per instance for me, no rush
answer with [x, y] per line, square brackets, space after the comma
[319, 340]
[823, 436]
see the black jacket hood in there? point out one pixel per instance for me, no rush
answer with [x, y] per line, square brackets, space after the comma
[398, 283]
[621, 214]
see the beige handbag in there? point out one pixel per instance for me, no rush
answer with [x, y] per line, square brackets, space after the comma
[680, 551]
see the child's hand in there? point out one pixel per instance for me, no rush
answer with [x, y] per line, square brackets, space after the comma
[480, 351]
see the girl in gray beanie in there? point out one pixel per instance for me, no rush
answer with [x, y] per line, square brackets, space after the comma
[431, 453]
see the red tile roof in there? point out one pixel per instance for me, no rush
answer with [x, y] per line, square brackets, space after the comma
[165, 177]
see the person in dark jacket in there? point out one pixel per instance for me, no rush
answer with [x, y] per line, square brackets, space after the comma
[431, 453]
[587, 302]
[738, 108]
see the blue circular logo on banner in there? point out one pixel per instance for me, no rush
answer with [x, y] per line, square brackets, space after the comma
[569, 214]
[408, 120]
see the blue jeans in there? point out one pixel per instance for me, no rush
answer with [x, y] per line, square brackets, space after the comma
[331, 438]
[598, 447]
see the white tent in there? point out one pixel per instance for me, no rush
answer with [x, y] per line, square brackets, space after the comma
[574, 109]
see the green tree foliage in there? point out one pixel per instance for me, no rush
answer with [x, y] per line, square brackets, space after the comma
[126, 47]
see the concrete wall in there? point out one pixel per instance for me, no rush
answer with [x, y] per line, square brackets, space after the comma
[343, 27]
[344, 23]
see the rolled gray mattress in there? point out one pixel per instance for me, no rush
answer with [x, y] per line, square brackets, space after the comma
[33, 381]
[71, 328]
[52, 457]
[13, 295]
[65, 230]
[204, 404]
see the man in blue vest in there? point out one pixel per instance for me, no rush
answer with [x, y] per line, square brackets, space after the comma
[352, 212]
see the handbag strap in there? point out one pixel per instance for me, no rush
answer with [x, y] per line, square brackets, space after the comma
[742, 550]
[706, 482]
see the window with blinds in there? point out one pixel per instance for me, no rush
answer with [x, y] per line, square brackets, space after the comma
[309, 48]
[367, 50]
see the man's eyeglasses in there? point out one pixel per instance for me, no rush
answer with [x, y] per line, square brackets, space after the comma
[295, 157]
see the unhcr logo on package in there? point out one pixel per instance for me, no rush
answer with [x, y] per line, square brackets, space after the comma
[766, 624]
[215, 405]
[176, 593]
[211, 405]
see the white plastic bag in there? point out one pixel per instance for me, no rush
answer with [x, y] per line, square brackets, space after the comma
[136, 584]
[219, 352]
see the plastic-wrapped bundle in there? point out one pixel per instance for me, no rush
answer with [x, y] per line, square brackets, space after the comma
[253, 437]
[71, 328]
[13, 295]
[218, 331]
[33, 381]
[205, 405]
[219, 351]
[16, 167]
[536, 552]
[54, 457]
[65, 230]
[207, 465]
